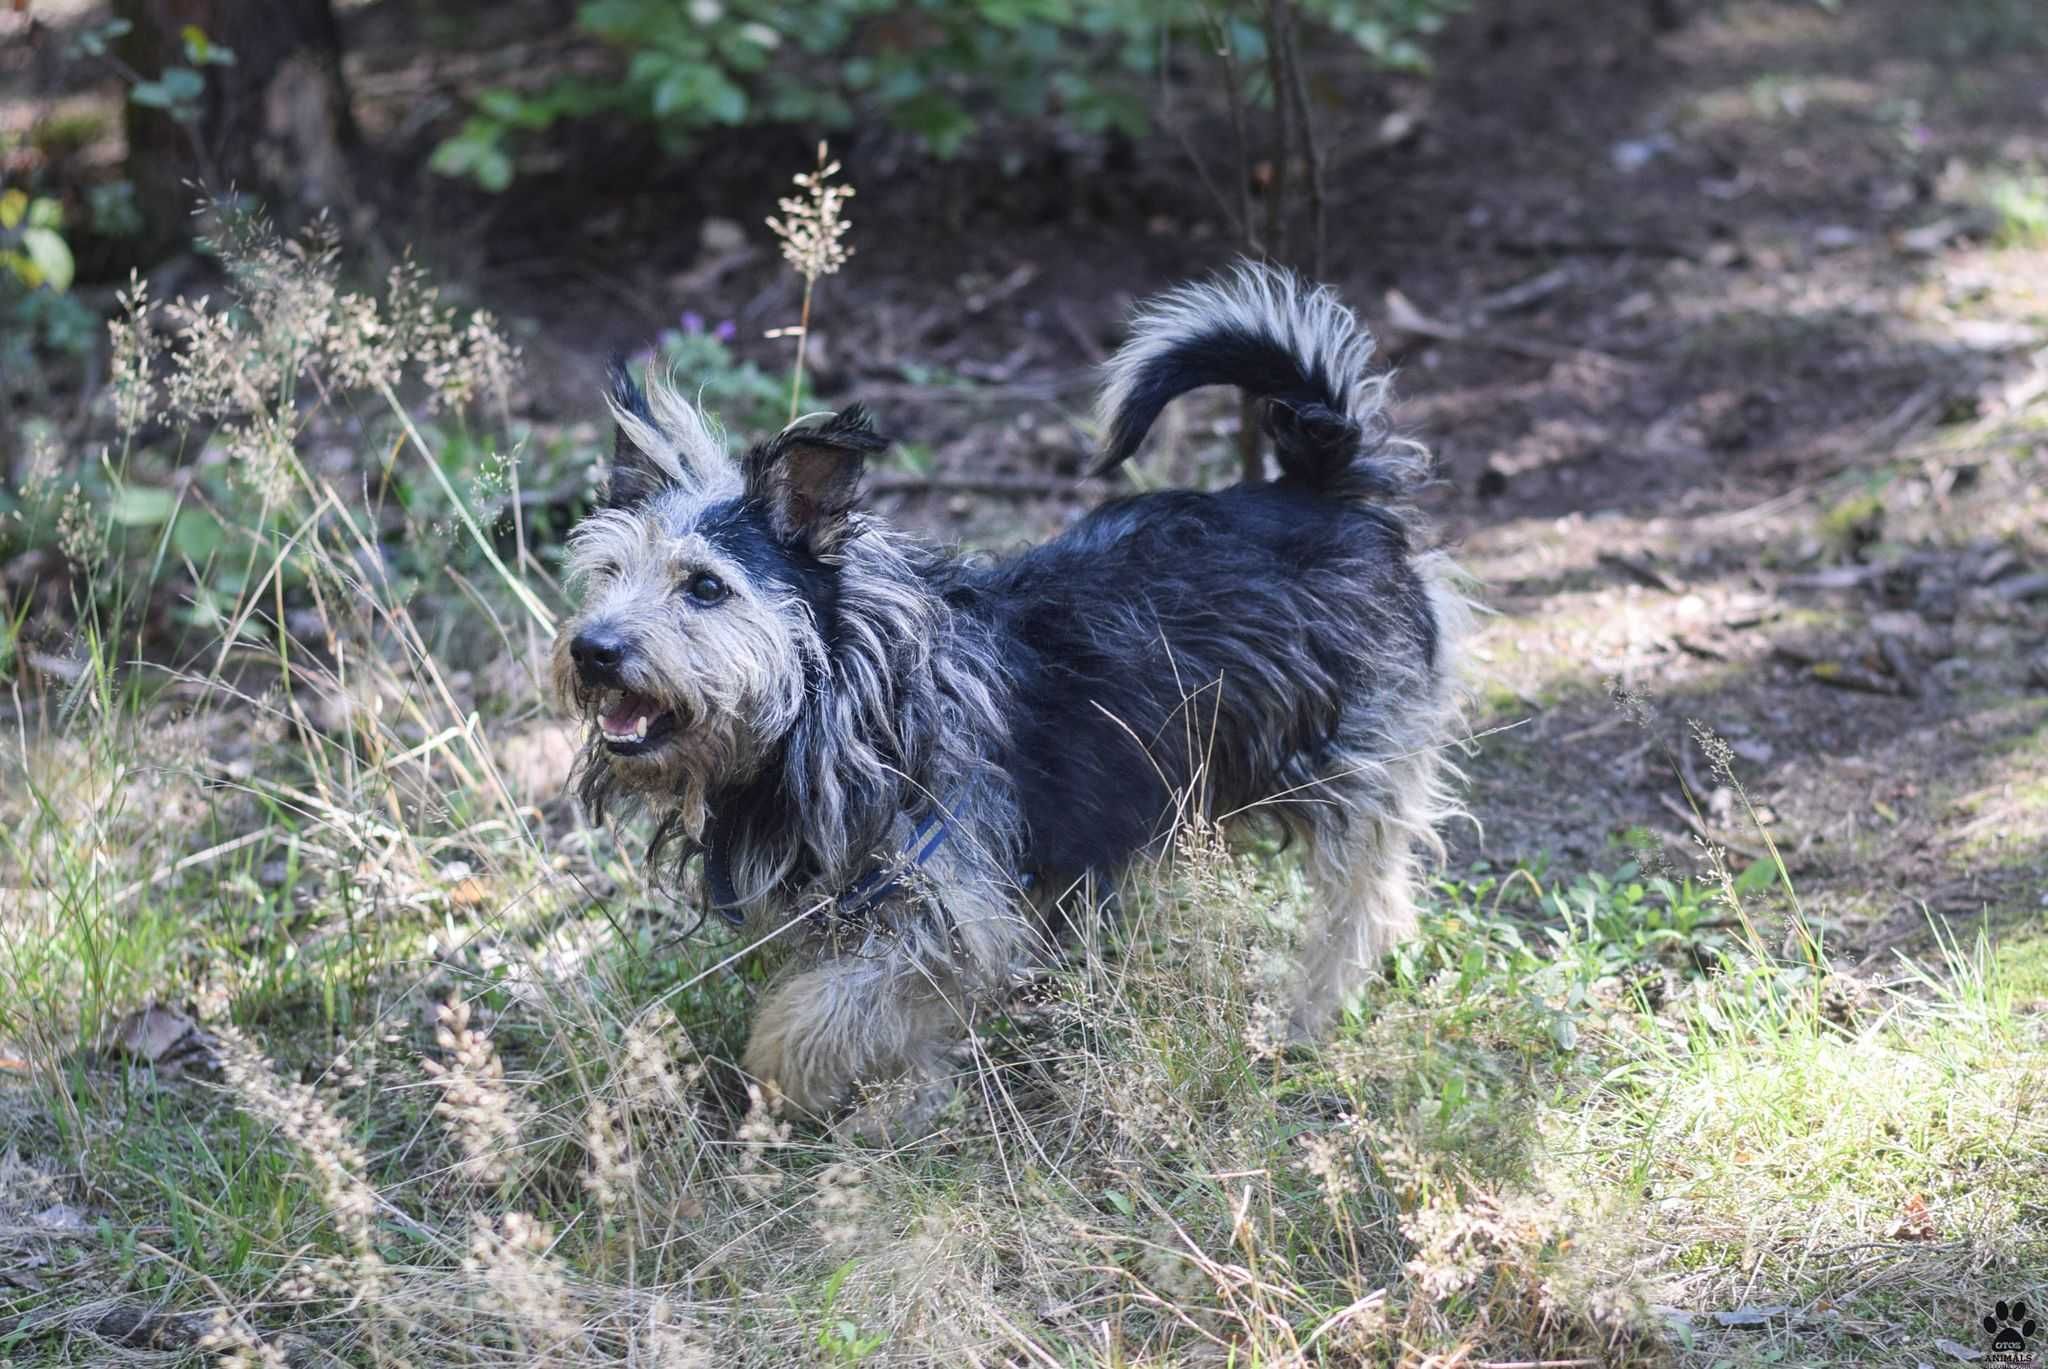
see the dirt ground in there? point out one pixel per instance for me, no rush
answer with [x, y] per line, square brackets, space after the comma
[1733, 376]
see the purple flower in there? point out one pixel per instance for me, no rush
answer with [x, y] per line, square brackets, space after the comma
[727, 330]
[693, 322]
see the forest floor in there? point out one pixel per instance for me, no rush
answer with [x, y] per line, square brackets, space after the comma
[1731, 340]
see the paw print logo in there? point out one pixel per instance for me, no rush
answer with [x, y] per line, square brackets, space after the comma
[2010, 1328]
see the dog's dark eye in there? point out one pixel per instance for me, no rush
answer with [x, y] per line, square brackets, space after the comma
[707, 588]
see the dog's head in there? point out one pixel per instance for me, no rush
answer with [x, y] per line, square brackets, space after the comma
[706, 588]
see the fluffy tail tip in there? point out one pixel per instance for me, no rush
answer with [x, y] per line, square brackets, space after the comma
[1278, 338]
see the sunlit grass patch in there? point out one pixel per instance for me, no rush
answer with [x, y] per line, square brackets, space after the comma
[2020, 202]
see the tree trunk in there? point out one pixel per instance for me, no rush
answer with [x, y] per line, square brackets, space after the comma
[275, 123]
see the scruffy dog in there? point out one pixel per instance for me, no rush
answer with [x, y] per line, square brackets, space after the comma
[901, 762]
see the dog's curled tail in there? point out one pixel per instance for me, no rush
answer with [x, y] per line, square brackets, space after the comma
[1278, 339]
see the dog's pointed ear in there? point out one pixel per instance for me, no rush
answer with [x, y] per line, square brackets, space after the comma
[637, 473]
[809, 478]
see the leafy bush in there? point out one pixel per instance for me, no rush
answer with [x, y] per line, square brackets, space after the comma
[36, 310]
[932, 69]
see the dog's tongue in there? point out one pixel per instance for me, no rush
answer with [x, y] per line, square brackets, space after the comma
[629, 711]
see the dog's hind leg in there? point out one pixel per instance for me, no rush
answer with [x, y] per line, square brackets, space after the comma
[1362, 876]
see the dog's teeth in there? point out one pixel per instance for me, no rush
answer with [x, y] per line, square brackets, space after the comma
[640, 728]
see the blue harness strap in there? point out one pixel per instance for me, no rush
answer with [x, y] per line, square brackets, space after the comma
[878, 884]
[869, 890]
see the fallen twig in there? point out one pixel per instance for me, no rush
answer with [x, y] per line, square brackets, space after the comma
[1839, 674]
[1642, 569]
[1586, 247]
[1037, 390]
[1849, 577]
[1705, 833]
[1070, 319]
[1887, 431]
[2022, 587]
[1534, 290]
[1404, 317]
[981, 301]
[164, 873]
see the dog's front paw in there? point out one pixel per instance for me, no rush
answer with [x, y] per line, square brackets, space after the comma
[791, 1051]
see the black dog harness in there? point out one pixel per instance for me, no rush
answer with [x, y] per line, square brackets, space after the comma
[881, 880]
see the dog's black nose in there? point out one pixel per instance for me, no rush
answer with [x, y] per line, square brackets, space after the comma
[598, 653]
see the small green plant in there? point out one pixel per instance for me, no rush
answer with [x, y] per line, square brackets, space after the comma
[2020, 201]
[938, 71]
[839, 1339]
[37, 310]
[178, 88]
[1514, 925]
[32, 245]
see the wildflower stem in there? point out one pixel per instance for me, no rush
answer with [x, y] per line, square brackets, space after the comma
[803, 338]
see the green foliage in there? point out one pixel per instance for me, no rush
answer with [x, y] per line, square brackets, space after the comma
[1388, 31]
[176, 90]
[1606, 923]
[2020, 202]
[840, 1340]
[36, 268]
[31, 247]
[98, 39]
[935, 70]
[111, 209]
[1543, 950]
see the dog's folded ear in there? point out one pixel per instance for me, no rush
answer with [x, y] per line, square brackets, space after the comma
[809, 478]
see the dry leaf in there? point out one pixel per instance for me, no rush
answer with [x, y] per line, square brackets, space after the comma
[1915, 1222]
[467, 893]
[168, 1041]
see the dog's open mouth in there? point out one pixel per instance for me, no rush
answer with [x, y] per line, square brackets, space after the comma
[633, 724]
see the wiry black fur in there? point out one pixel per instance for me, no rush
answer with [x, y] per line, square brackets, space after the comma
[1245, 633]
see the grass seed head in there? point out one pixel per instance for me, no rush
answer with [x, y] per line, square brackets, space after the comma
[480, 1111]
[813, 224]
